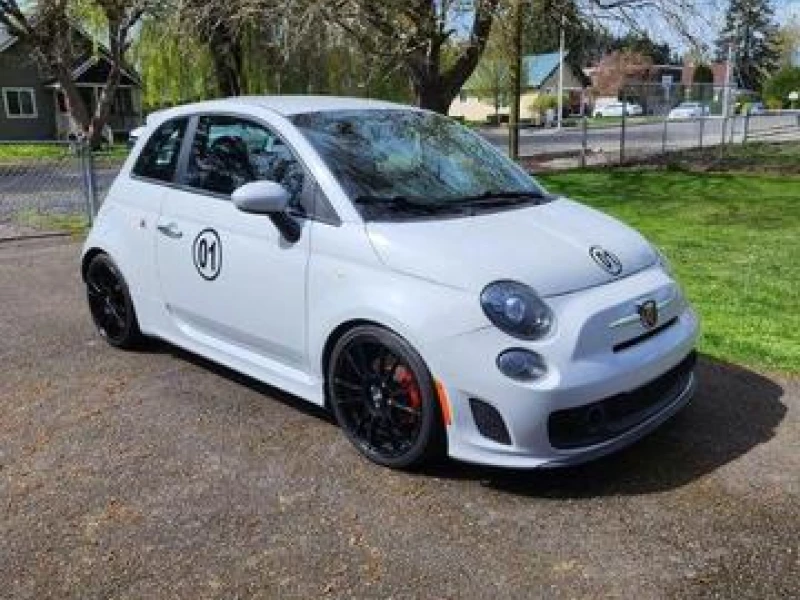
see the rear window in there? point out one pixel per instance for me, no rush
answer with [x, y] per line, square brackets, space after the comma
[159, 157]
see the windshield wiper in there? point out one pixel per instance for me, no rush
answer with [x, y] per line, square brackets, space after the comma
[501, 198]
[399, 202]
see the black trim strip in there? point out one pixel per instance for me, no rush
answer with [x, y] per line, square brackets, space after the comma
[645, 336]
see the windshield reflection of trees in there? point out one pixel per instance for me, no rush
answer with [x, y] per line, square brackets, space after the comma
[388, 153]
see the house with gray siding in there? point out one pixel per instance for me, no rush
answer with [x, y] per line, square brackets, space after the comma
[32, 105]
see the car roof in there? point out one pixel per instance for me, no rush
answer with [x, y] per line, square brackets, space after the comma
[286, 105]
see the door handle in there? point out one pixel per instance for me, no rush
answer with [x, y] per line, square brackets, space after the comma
[171, 230]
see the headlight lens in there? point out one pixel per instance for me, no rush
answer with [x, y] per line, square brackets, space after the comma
[516, 309]
[521, 364]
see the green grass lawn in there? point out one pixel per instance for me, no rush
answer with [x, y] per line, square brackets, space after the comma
[758, 157]
[74, 224]
[20, 153]
[734, 242]
[615, 122]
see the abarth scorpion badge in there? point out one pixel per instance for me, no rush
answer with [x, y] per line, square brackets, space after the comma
[648, 313]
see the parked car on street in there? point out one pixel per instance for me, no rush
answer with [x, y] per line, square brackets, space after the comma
[616, 109]
[689, 110]
[389, 264]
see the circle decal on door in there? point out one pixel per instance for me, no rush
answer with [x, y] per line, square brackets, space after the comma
[207, 254]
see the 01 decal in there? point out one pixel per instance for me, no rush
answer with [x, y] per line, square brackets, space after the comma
[207, 254]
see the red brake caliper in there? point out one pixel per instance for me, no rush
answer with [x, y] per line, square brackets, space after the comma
[405, 378]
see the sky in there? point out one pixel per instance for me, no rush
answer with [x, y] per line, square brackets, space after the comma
[711, 21]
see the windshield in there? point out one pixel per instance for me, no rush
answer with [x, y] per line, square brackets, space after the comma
[405, 160]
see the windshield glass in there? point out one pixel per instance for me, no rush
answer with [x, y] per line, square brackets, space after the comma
[410, 159]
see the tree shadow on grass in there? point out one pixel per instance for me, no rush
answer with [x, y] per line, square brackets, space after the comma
[733, 411]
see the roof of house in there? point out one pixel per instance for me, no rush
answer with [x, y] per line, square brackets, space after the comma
[87, 69]
[6, 39]
[538, 67]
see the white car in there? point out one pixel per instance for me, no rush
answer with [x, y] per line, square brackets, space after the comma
[689, 110]
[134, 135]
[616, 109]
[387, 263]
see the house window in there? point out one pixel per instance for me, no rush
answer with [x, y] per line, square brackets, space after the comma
[20, 103]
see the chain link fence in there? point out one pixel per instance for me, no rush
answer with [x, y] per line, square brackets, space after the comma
[52, 187]
[56, 187]
[586, 141]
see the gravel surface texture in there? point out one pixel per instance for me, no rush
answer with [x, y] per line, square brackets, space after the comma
[158, 475]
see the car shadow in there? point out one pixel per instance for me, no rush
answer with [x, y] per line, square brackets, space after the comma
[153, 345]
[733, 411]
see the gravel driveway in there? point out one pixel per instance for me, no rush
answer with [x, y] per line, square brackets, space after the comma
[158, 475]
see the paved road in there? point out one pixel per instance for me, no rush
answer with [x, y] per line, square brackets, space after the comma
[157, 475]
[647, 137]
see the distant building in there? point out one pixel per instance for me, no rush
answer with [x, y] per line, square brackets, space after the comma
[32, 107]
[540, 76]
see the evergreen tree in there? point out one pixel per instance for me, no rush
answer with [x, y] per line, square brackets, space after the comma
[751, 29]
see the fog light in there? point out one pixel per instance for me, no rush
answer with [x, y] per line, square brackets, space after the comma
[522, 365]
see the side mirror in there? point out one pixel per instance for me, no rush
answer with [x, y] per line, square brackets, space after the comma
[261, 198]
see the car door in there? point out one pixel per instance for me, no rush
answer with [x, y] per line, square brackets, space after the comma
[229, 280]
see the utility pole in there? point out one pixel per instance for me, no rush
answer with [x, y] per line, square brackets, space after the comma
[729, 68]
[561, 74]
[728, 71]
[516, 83]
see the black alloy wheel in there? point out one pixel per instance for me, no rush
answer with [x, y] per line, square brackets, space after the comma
[384, 398]
[110, 303]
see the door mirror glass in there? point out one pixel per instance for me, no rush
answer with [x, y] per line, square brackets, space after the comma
[261, 198]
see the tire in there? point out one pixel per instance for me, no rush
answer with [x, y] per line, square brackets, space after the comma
[110, 304]
[384, 398]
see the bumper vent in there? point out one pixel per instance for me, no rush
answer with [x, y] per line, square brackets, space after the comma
[606, 419]
[489, 422]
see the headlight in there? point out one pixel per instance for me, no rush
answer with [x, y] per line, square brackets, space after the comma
[516, 309]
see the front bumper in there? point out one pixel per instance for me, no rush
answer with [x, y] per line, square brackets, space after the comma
[589, 360]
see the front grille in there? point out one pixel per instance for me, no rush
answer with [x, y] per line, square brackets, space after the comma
[489, 422]
[606, 419]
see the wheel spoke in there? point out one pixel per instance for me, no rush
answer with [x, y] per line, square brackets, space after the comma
[354, 364]
[406, 409]
[372, 429]
[348, 385]
[361, 359]
[94, 289]
[389, 373]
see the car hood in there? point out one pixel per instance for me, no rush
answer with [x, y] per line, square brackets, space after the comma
[547, 246]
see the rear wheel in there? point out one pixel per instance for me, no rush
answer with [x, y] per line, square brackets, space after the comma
[110, 303]
[383, 398]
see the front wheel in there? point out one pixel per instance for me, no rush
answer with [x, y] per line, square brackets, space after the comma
[383, 398]
[110, 303]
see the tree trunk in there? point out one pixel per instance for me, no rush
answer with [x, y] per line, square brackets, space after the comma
[103, 108]
[432, 95]
[228, 57]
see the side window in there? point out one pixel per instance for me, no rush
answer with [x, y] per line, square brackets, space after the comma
[228, 152]
[160, 154]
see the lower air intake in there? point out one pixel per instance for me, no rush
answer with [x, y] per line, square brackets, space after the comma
[489, 422]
